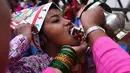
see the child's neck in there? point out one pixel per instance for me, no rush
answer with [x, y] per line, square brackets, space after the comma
[51, 49]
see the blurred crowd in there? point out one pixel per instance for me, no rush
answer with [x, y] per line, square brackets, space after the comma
[69, 7]
[17, 5]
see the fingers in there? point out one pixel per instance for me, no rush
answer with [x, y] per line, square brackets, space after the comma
[34, 29]
[21, 27]
[26, 25]
[92, 17]
[84, 45]
[25, 29]
[81, 49]
[79, 34]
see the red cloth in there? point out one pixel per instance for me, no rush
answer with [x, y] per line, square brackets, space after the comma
[75, 3]
[69, 13]
[18, 8]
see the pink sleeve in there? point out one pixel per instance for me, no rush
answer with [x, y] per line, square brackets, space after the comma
[110, 57]
[18, 46]
[49, 70]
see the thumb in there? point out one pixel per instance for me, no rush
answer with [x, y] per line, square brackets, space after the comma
[80, 50]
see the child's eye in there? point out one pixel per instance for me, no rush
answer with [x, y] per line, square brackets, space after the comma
[55, 21]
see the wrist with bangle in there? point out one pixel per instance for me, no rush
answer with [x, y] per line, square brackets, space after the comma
[65, 60]
[91, 29]
[67, 56]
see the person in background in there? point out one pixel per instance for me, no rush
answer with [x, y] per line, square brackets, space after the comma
[30, 3]
[82, 7]
[22, 3]
[76, 7]
[68, 11]
[16, 5]
[5, 35]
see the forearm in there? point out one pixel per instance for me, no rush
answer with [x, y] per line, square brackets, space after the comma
[110, 57]
[93, 36]
[18, 46]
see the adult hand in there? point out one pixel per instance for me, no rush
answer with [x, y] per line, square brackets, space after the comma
[25, 29]
[81, 49]
[93, 17]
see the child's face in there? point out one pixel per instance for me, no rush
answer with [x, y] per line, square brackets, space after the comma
[58, 28]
